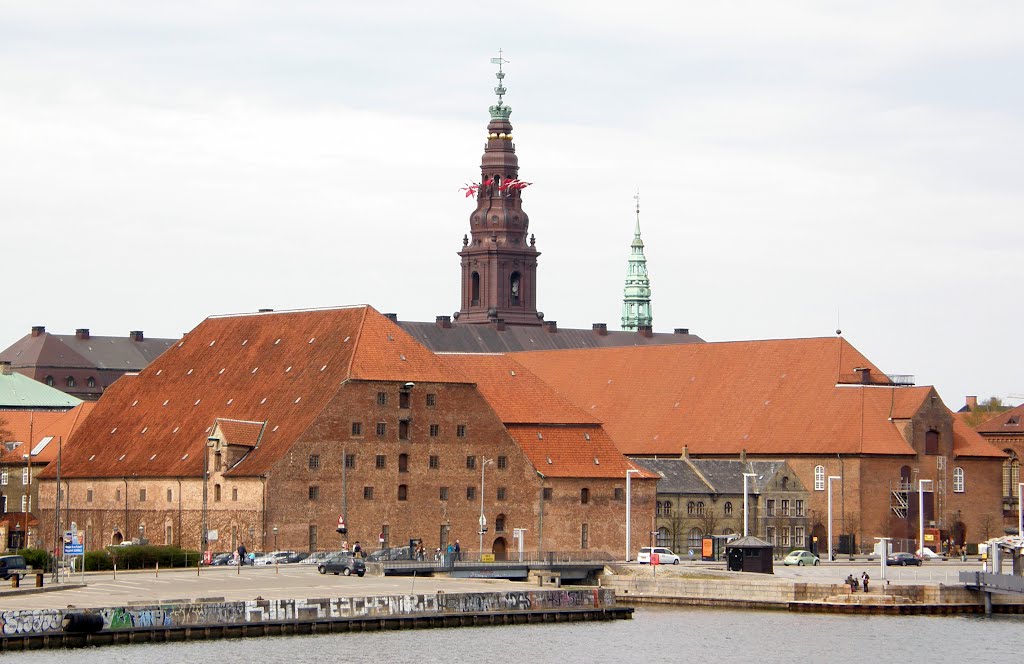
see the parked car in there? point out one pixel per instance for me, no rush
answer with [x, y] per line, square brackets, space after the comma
[12, 566]
[295, 557]
[316, 557]
[902, 558]
[392, 553]
[227, 558]
[800, 557]
[665, 555]
[343, 563]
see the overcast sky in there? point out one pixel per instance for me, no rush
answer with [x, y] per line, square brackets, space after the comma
[801, 165]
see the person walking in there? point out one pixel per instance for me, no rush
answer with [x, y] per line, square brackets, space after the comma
[241, 554]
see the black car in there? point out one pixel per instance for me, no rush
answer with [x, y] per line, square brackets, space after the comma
[12, 566]
[343, 563]
[903, 559]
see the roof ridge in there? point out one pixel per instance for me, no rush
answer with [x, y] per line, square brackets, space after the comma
[355, 343]
[699, 474]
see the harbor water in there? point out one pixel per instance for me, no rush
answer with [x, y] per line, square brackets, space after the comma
[655, 634]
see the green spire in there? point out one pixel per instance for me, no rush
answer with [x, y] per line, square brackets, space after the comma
[636, 303]
[501, 110]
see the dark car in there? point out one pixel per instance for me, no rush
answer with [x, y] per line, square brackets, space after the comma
[343, 563]
[393, 553]
[294, 557]
[903, 559]
[12, 566]
[223, 559]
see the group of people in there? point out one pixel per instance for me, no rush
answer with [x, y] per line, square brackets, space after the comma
[357, 549]
[854, 583]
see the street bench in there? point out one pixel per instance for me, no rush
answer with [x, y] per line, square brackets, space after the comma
[552, 577]
[17, 576]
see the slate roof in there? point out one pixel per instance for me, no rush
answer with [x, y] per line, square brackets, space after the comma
[101, 352]
[478, 338]
[281, 368]
[30, 428]
[764, 397]
[719, 476]
[18, 391]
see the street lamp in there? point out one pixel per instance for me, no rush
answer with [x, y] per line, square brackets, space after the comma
[831, 556]
[629, 504]
[28, 492]
[483, 519]
[275, 538]
[920, 512]
[142, 533]
[204, 537]
[746, 517]
[1020, 511]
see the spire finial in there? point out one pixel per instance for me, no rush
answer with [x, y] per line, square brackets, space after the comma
[636, 197]
[500, 110]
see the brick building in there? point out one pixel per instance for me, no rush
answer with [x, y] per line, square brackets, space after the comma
[817, 404]
[81, 364]
[301, 417]
[1005, 431]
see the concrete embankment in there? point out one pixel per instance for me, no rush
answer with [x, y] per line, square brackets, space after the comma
[197, 620]
[758, 591]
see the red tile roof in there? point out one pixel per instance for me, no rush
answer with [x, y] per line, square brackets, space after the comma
[765, 397]
[34, 426]
[281, 368]
[574, 451]
[1008, 422]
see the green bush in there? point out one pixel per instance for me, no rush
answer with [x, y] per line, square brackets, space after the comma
[98, 560]
[37, 558]
[147, 555]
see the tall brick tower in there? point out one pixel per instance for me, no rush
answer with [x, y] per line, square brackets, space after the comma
[499, 263]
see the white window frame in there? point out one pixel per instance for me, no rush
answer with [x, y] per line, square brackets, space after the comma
[5, 476]
[819, 478]
[24, 476]
[958, 480]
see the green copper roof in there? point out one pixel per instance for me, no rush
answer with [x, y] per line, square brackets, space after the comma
[636, 303]
[18, 391]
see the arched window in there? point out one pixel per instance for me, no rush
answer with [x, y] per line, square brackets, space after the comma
[1011, 474]
[474, 289]
[514, 286]
[216, 493]
[664, 538]
[403, 492]
[691, 507]
[693, 539]
[499, 523]
[958, 480]
[91, 382]
[49, 381]
[584, 496]
[785, 482]
[819, 478]
[728, 509]
[70, 381]
[700, 507]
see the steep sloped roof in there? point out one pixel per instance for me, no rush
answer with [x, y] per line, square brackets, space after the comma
[515, 393]
[32, 427]
[765, 397]
[18, 391]
[281, 368]
[101, 352]
[721, 476]
[573, 451]
[969, 443]
[1008, 422]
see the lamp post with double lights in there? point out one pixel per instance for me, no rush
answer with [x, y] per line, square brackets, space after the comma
[831, 555]
[746, 510]
[629, 506]
[483, 519]
[920, 513]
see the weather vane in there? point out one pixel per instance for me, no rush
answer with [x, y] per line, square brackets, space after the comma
[636, 197]
[500, 90]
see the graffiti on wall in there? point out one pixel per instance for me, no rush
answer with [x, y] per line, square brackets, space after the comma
[44, 621]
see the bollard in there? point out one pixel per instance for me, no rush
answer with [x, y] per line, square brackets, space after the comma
[115, 571]
[199, 566]
[277, 568]
[39, 579]
[15, 581]
[158, 569]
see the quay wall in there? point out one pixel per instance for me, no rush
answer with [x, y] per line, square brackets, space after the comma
[173, 614]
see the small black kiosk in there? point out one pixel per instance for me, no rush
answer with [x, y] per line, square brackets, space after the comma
[749, 554]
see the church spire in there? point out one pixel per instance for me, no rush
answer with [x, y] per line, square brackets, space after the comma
[636, 303]
[499, 260]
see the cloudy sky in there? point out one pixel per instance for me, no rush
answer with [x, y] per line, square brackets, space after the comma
[801, 165]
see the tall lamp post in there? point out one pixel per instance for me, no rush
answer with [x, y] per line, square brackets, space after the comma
[629, 506]
[746, 511]
[28, 493]
[831, 555]
[275, 538]
[483, 519]
[1020, 510]
[204, 536]
[920, 513]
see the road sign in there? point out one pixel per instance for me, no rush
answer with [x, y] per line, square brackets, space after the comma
[74, 549]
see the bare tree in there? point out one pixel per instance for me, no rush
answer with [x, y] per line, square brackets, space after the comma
[707, 520]
[6, 433]
[987, 525]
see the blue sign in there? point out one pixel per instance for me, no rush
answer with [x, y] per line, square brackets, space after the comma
[74, 549]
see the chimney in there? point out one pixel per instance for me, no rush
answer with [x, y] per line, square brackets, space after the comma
[601, 329]
[443, 321]
[972, 402]
[865, 375]
[82, 333]
[686, 452]
[645, 330]
[38, 330]
[392, 317]
[136, 335]
[743, 455]
[551, 326]
[681, 330]
[5, 368]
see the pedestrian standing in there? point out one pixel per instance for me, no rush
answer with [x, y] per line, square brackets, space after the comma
[241, 554]
[458, 550]
[864, 580]
[357, 550]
